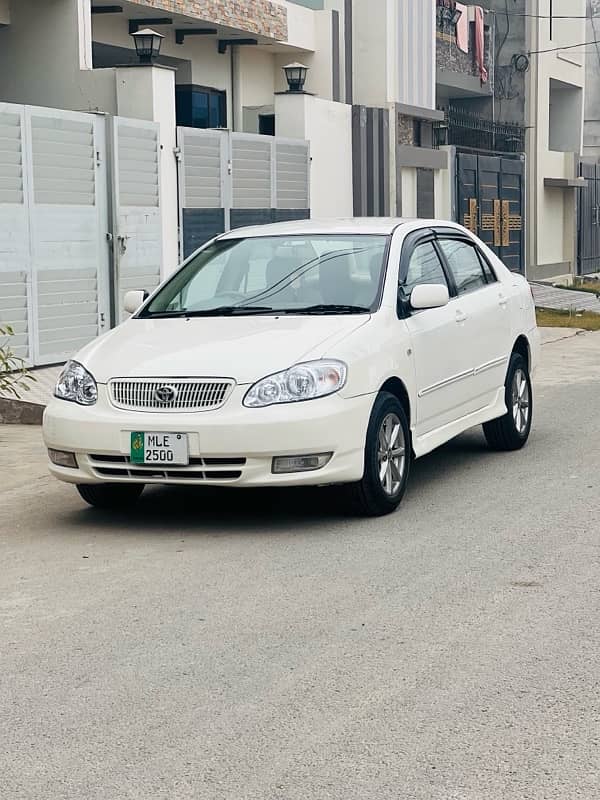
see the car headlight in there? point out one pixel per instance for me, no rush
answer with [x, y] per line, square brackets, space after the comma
[301, 382]
[76, 384]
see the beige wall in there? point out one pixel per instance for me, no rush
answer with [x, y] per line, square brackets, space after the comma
[551, 211]
[40, 60]
[300, 26]
[370, 49]
[409, 191]
[328, 128]
[255, 86]
[443, 194]
[392, 63]
[208, 67]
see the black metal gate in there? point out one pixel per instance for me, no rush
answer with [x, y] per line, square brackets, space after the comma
[588, 220]
[491, 203]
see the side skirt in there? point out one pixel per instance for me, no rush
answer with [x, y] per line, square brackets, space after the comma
[430, 441]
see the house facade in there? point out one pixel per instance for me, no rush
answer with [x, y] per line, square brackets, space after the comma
[113, 170]
[517, 129]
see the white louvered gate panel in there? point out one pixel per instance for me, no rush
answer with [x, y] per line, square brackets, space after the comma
[53, 252]
[138, 245]
[204, 154]
[292, 174]
[68, 227]
[230, 180]
[252, 164]
[15, 263]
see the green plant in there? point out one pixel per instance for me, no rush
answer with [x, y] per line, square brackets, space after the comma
[14, 376]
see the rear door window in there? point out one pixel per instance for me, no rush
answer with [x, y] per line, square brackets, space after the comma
[487, 269]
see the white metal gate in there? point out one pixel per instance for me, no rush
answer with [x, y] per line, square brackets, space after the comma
[53, 249]
[227, 180]
[136, 207]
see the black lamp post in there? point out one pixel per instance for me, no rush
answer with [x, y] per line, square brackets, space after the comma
[147, 45]
[295, 75]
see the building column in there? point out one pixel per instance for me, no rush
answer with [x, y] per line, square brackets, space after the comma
[327, 126]
[148, 92]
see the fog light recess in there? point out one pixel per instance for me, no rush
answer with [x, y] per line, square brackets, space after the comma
[286, 464]
[63, 459]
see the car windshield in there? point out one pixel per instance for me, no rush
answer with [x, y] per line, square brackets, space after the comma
[319, 274]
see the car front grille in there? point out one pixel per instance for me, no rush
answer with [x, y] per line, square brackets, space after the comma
[199, 469]
[162, 394]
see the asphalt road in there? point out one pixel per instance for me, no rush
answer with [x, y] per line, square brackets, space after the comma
[235, 646]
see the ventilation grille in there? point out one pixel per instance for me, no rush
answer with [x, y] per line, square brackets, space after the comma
[165, 395]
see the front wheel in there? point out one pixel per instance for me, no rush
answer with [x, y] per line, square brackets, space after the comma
[511, 431]
[110, 495]
[387, 459]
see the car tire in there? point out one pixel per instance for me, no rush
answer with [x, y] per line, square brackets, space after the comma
[387, 460]
[511, 431]
[110, 495]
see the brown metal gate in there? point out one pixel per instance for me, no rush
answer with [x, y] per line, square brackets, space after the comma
[491, 203]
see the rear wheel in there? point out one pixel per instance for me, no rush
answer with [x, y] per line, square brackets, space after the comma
[387, 460]
[110, 495]
[511, 431]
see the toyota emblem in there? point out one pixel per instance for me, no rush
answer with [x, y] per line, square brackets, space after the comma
[165, 394]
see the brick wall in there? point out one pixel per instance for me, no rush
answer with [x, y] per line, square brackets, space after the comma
[261, 17]
[450, 57]
[406, 130]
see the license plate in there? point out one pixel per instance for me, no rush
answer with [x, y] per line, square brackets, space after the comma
[159, 448]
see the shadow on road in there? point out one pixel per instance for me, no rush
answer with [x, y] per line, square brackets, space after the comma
[196, 509]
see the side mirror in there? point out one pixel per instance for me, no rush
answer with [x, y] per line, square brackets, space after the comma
[429, 295]
[133, 300]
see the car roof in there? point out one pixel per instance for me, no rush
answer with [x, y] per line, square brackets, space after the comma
[352, 225]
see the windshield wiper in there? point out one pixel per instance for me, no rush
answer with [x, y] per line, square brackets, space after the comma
[330, 308]
[230, 311]
[219, 311]
[236, 311]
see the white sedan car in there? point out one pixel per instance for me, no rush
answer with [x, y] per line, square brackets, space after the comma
[301, 353]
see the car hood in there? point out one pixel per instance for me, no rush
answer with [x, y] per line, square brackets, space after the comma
[243, 348]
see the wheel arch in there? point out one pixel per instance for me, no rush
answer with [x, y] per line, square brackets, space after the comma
[523, 348]
[397, 387]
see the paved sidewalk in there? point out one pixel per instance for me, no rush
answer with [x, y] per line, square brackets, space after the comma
[564, 299]
[41, 390]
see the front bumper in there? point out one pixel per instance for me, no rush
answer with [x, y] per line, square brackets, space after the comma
[230, 445]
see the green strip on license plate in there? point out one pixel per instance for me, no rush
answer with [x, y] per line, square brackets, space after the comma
[137, 448]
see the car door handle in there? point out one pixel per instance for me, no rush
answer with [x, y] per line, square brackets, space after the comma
[461, 316]
[502, 300]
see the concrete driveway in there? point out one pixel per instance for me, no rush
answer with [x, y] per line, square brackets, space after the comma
[264, 647]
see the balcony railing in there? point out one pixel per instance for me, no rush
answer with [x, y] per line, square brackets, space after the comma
[466, 129]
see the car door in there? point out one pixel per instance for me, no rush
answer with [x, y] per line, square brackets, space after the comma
[482, 300]
[442, 364]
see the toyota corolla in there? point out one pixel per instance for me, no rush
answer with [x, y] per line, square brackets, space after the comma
[305, 353]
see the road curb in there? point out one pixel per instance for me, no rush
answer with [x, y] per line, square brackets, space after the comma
[20, 412]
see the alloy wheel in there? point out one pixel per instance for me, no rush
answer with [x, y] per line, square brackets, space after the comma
[521, 401]
[391, 454]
